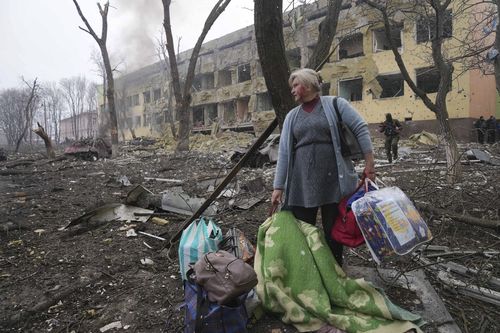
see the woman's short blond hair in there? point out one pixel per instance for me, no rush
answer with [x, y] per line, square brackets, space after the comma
[307, 77]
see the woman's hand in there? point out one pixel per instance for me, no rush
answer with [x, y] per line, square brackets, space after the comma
[369, 171]
[276, 197]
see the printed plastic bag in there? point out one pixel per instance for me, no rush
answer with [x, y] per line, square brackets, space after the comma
[390, 223]
[200, 237]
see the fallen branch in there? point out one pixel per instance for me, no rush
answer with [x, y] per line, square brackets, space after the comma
[18, 163]
[460, 252]
[16, 172]
[483, 294]
[480, 293]
[461, 218]
[465, 271]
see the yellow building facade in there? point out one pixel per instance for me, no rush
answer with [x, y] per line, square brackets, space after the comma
[229, 88]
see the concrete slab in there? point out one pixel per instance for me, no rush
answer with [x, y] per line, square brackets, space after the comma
[433, 311]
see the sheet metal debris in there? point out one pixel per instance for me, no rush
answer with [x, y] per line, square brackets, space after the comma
[476, 154]
[111, 212]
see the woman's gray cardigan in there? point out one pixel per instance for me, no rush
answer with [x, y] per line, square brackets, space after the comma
[347, 175]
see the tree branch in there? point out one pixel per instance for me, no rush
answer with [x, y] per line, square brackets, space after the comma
[84, 19]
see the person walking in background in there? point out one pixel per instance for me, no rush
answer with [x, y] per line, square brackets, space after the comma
[491, 128]
[480, 127]
[311, 171]
[391, 128]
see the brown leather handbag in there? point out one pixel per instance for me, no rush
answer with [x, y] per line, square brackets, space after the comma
[224, 276]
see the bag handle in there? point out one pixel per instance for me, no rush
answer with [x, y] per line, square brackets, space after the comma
[273, 209]
[336, 107]
[209, 266]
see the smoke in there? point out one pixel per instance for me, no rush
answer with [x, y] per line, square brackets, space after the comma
[136, 23]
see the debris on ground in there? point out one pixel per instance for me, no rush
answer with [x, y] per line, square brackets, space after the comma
[52, 282]
[425, 138]
[89, 149]
[482, 156]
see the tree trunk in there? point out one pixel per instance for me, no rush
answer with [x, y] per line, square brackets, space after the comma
[327, 30]
[27, 114]
[445, 69]
[183, 98]
[110, 94]
[110, 91]
[497, 46]
[268, 24]
[40, 131]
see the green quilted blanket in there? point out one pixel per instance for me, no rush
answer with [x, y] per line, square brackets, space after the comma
[300, 280]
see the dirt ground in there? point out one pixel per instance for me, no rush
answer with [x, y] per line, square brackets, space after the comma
[83, 278]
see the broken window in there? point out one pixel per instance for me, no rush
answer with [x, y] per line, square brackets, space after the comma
[346, 4]
[392, 85]
[325, 88]
[380, 41]
[147, 97]
[158, 118]
[264, 102]
[135, 99]
[294, 58]
[198, 116]
[351, 46]
[137, 121]
[244, 73]
[228, 112]
[210, 113]
[242, 109]
[428, 79]
[352, 89]
[129, 101]
[224, 78]
[426, 27]
[203, 81]
[156, 94]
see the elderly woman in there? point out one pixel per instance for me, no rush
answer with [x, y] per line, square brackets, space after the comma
[311, 170]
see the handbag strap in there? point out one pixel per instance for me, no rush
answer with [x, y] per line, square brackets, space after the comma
[336, 107]
[202, 308]
[209, 266]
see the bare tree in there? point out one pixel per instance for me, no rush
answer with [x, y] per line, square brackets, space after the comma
[12, 103]
[497, 46]
[103, 123]
[122, 106]
[436, 12]
[327, 30]
[74, 91]
[268, 20]
[91, 108]
[110, 90]
[53, 105]
[28, 112]
[183, 94]
[161, 52]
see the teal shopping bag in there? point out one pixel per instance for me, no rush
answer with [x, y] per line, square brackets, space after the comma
[200, 237]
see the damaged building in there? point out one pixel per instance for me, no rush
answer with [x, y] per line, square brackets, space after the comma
[229, 89]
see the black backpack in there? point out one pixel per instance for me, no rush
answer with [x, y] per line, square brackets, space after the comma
[390, 128]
